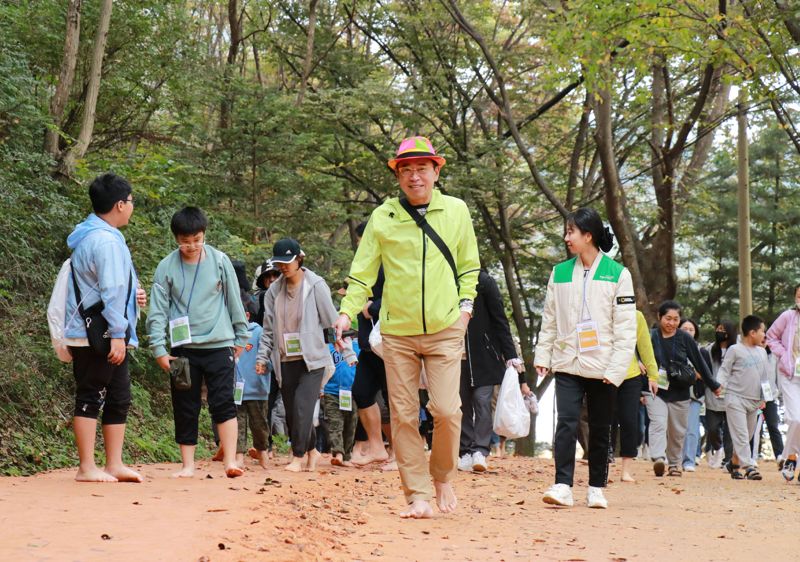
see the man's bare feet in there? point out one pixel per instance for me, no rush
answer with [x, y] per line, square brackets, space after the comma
[418, 509]
[219, 455]
[337, 460]
[369, 457]
[184, 472]
[240, 460]
[263, 459]
[94, 475]
[233, 471]
[445, 497]
[296, 465]
[390, 466]
[312, 457]
[627, 477]
[252, 452]
[124, 474]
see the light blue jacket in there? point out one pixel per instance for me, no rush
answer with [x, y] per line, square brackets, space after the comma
[256, 387]
[103, 267]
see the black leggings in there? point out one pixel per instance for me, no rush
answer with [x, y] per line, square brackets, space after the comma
[300, 391]
[370, 379]
[99, 385]
[629, 395]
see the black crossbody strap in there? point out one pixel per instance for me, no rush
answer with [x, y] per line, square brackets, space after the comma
[433, 235]
[79, 300]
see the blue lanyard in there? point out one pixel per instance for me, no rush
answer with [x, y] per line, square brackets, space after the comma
[183, 276]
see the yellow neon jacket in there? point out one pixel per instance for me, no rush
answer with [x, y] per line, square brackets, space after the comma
[420, 294]
[644, 350]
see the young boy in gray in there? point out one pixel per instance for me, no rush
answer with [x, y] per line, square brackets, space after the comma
[742, 374]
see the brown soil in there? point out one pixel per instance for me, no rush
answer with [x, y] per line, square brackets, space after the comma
[350, 514]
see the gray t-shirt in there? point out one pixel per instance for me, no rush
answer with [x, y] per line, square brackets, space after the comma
[743, 369]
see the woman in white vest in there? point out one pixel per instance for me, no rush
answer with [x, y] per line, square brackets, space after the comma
[587, 339]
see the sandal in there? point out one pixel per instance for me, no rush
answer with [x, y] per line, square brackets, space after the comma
[674, 471]
[733, 469]
[752, 474]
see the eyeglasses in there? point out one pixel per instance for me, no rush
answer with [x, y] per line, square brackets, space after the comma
[409, 172]
[192, 245]
[128, 200]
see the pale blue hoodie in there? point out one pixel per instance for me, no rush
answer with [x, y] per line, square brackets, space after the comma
[102, 264]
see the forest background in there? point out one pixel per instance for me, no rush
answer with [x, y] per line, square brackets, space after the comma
[277, 118]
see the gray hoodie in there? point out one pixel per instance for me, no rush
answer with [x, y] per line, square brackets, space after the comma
[318, 314]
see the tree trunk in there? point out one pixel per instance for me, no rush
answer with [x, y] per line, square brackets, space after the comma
[309, 59]
[235, 22]
[78, 150]
[65, 77]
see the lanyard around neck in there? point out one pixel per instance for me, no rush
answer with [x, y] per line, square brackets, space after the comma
[194, 280]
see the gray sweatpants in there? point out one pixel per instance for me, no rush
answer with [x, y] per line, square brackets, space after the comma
[742, 414]
[668, 423]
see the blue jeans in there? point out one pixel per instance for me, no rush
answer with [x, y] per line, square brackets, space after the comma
[692, 438]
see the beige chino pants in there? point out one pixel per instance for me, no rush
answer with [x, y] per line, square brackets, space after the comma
[403, 356]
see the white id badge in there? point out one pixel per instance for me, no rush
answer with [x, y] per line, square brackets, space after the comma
[663, 381]
[588, 336]
[797, 366]
[346, 400]
[766, 390]
[291, 343]
[238, 393]
[179, 332]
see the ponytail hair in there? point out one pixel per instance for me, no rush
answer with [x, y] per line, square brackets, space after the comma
[588, 221]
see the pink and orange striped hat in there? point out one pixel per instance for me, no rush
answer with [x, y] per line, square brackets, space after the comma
[416, 148]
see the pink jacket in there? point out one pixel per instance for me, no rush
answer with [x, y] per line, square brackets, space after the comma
[780, 339]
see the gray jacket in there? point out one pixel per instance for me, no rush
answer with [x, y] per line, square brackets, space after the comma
[318, 313]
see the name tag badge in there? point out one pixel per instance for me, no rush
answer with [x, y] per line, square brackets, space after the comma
[766, 390]
[588, 336]
[291, 342]
[797, 365]
[346, 400]
[238, 393]
[663, 381]
[179, 332]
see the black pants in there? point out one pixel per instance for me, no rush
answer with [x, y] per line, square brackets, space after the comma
[718, 434]
[773, 420]
[629, 396]
[600, 398]
[216, 368]
[99, 385]
[476, 416]
[370, 379]
[300, 391]
[274, 391]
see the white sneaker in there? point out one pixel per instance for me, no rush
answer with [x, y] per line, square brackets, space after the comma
[478, 462]
[688, 468]
[715, 458]
[559, 494]
[465, 462]
[595, 498]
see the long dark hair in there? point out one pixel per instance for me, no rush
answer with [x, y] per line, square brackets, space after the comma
[730, 329]
[588, 221]
[693, 323]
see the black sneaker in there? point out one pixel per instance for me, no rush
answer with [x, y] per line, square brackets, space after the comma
[788, 470]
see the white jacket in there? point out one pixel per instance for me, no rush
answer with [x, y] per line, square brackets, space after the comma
[609, 301]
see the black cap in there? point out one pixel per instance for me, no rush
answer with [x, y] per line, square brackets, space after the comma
[286, 250]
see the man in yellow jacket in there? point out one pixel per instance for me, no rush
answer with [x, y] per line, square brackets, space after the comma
[427, 304]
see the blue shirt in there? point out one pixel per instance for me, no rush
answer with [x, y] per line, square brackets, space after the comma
[344, 374]
[256, 387]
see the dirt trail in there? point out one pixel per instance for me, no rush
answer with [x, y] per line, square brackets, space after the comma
[348, 514]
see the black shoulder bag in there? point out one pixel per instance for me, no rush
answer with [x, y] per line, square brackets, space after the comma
[96, 325]
[680, 374]
[433, 235]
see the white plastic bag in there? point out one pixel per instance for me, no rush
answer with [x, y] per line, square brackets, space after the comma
[376, 340]
[512, 419]
[57, 312]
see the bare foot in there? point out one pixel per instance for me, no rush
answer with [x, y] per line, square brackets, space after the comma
[124, 474]
[240, 460]
[218, 456]
[270, 454]
[419, 509]
[296, 465]
[94, 475]
[390, 466]
[312, 457]
[185, 472]
[445, 497]
[337, 460]
[347, 464]
[627, 477]
[253, 453]
[263, 459]
[233, 471]
[369, 458]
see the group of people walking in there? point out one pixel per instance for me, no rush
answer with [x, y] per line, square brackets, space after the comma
[417, 281]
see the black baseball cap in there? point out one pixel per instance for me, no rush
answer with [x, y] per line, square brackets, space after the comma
[286, 250]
